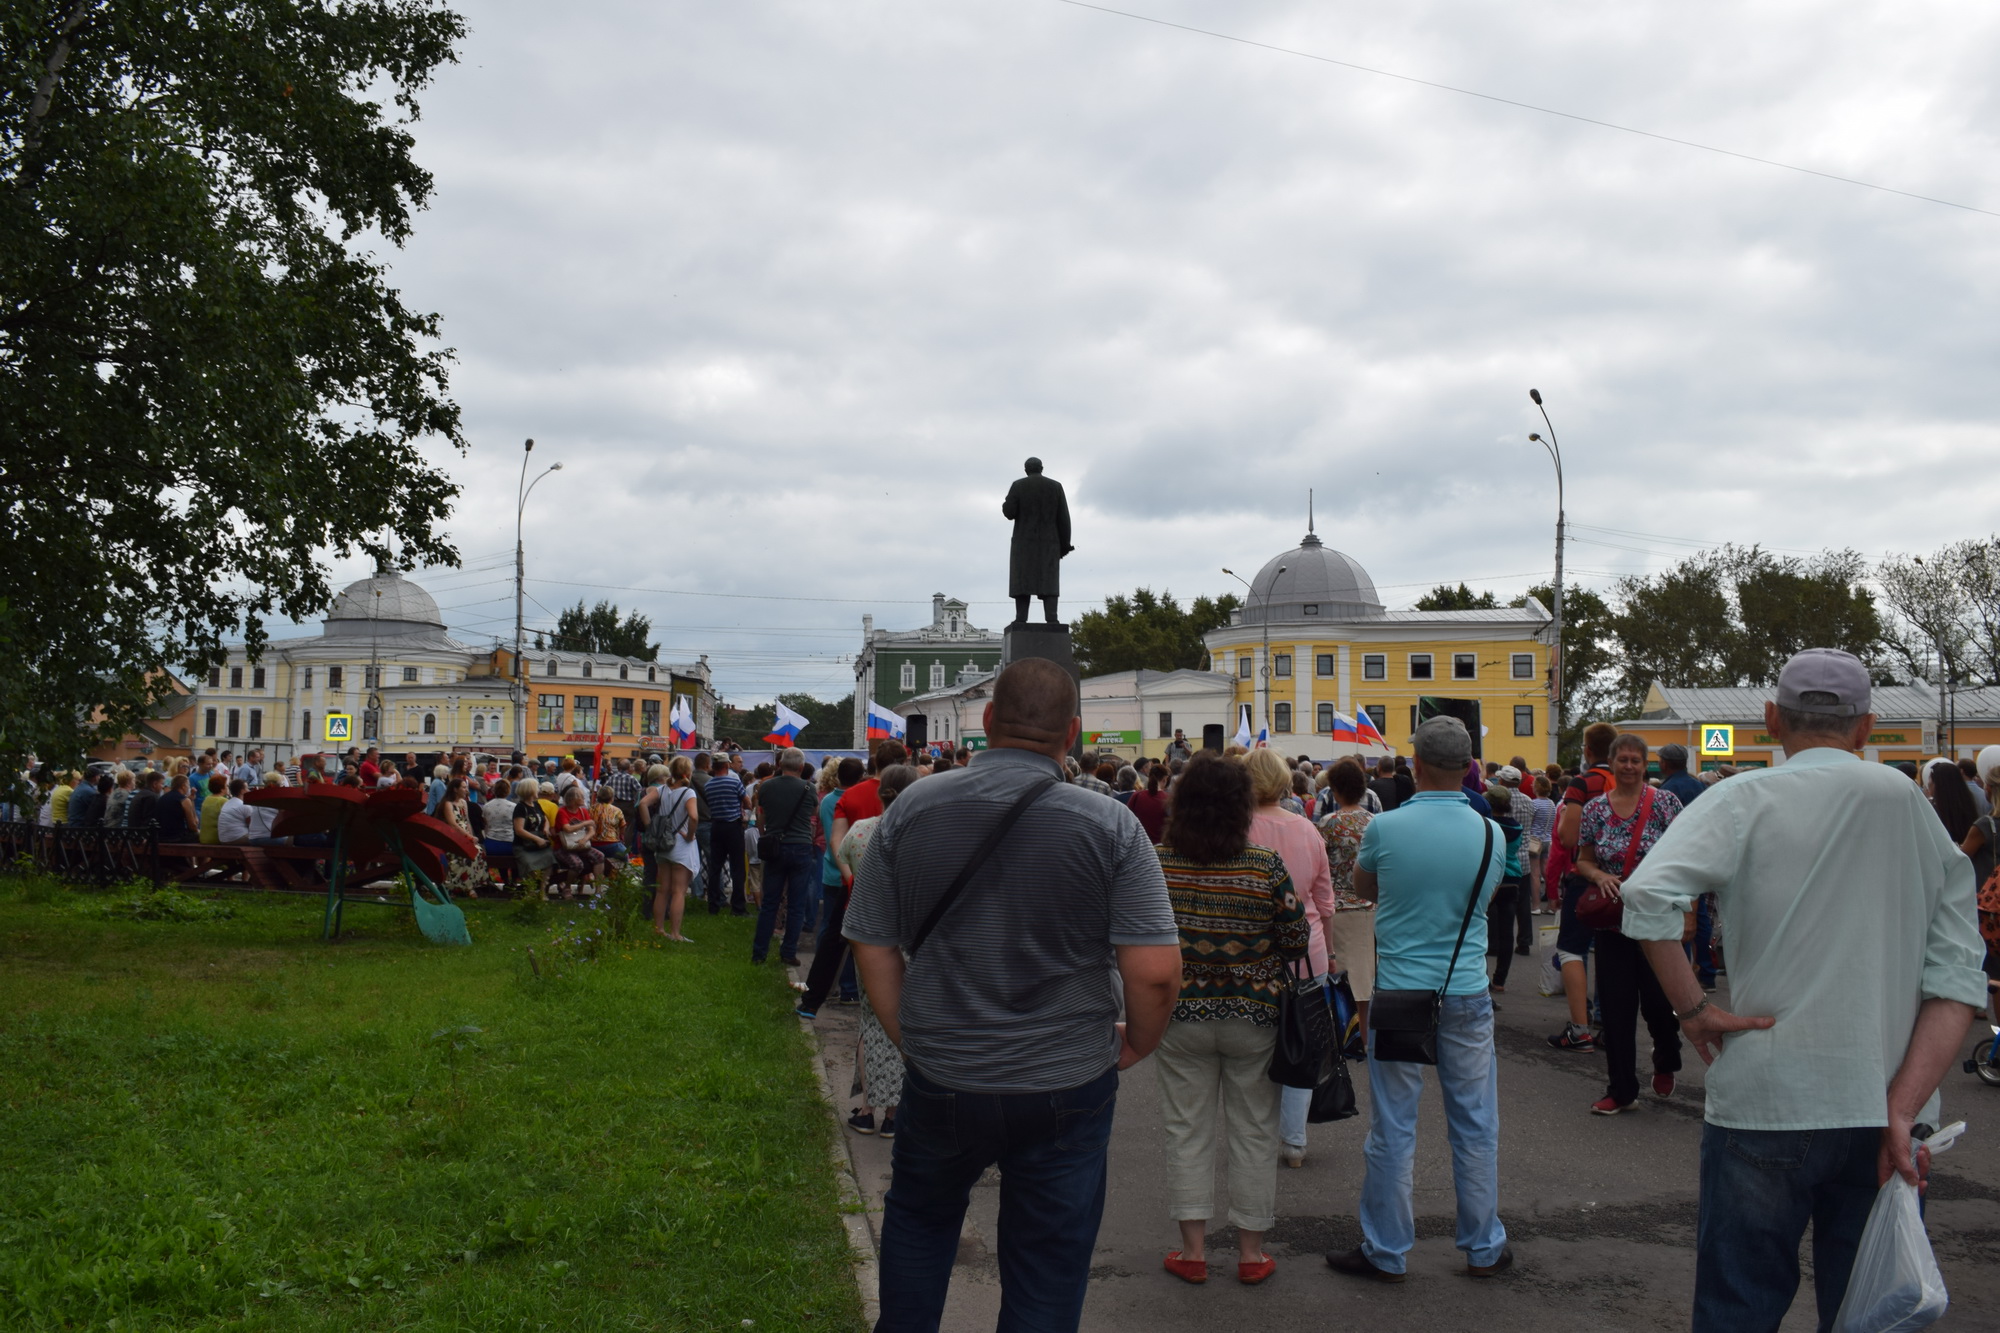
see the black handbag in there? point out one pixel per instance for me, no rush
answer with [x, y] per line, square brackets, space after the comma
[1305, 1049]
[1405, 1022]
[1333, 1099]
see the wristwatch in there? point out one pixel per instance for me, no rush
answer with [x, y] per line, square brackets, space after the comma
[1693, 1013]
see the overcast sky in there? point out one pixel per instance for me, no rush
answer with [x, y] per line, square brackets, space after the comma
[791, 290]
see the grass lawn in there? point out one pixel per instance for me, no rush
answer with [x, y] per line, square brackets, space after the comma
[229, 1123]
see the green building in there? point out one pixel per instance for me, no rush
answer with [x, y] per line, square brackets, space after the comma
[900, 664]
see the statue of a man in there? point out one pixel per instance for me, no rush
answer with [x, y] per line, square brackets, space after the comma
[1041, 540]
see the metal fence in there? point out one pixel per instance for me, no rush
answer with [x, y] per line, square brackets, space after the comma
[83, 854]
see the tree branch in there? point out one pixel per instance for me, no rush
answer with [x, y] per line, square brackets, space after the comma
[30, 171]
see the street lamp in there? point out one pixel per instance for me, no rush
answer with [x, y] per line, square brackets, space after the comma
[520, 568]
[1263, 671]
[1556, 650]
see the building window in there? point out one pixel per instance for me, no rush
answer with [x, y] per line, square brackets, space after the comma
[1374, 666]
[621, 717]
[1166, 726]
[1323, 719]
[479, 724]
[908, 676]
[1323, 665]
[954, 625]
[1420, 666]
[1281, 664]
[236, 678]
[1281, 717]
[937, 675]
[1379, 716]
[1311, 608]
[624, 671]
[649, 717]
[552, 668]
[235, 723]
[256, 723]
[1464, 666]
[587, 669]
[215, 678]
[306, 725]
[586, 713]
[371, 677]
[548, 712]
[651, 673]
[1243, 666]
[430, 724]
[1523, 666]
[309, 678]
[257, 678]
[1524, 719]
[208, 721]
[409, 675]
[334, 676]
[183, 733]
[493, 724]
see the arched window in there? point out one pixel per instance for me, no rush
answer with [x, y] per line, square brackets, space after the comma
[908, 676]
[430, 724]
[586, 668]
[493, 724]
[624, 671]
[937, 675]
[478, 724]
[652, 673]
[552, 666]
[1281, 717]
[1324, 723]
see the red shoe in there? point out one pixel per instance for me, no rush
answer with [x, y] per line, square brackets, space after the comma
[1251, 1274]
[1663, 1085]
[1187, 1270]
[1608, 1106]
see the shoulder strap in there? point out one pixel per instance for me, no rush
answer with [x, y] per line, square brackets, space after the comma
[1639, 818]
[977, 860]
[1471, 901]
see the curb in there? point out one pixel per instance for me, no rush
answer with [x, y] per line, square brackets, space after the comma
[863, 1222]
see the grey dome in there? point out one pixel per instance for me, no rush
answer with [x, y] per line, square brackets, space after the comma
[403, 609]
[1314, 575]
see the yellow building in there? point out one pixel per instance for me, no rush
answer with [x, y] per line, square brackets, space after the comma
[1313, 639]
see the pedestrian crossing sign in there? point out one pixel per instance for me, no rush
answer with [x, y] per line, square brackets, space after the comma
[339, 726]
[1717, 742]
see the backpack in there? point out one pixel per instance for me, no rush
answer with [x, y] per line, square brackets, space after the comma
[660, 831]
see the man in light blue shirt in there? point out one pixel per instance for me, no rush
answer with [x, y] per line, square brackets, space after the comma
[1848, 919]
[1418, 864]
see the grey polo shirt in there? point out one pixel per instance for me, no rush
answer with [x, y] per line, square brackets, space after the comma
[1017, 989]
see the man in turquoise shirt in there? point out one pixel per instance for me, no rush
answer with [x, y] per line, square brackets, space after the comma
[1418, 864]
[1849, 923]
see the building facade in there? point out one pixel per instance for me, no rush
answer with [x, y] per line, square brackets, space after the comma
[896, 666]
[1912, 722]
[1314, 639]
[384, 659]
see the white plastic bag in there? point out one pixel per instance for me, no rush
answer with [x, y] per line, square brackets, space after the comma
[1550, 982]
[1895, 1285]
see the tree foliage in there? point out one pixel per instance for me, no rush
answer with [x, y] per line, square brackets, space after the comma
[599, 630]
[1946, 611]
[1148, 632]
[1444, 597]
[829, 726]
[206, 380]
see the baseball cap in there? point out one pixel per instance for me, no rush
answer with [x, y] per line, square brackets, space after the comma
[1442, 742]
[1826, 681]
[1508, 776]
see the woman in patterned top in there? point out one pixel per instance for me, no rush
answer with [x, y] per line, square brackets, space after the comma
[1626, 986]
[1353, 928]
[1240, 926]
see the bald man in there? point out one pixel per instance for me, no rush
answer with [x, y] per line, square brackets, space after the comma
[1007, 1011]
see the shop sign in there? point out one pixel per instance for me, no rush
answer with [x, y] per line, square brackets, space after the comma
[973, 742]
[1102, 738]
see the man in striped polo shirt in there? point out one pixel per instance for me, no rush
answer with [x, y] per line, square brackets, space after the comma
[1007, 1011]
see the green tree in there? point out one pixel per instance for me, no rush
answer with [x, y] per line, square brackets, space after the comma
[1148, 632]
[1588, 655]
[599, 630]
[206, 379]
[1444, 597]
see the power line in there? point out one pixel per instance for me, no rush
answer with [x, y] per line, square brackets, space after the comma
[1528, 106]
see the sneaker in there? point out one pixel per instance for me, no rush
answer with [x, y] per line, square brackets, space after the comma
[1573, 1038]
[788, 962]
[888, 1130]
[861, 1122]
[1355, 1264]
[1663, 1085]
[808, 1014]
[848, 1001]
[1608, 1106]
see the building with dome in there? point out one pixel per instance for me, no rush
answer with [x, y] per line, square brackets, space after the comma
[384, 658]
[1313, 638]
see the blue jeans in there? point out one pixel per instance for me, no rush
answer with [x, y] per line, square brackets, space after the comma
[1469, 1077]
[1050, 1147]
[789, 872]
[1759, 1190]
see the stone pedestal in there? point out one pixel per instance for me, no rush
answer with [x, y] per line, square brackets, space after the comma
[1050, 642]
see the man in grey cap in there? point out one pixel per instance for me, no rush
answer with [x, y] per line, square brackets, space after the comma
[1419, 864]
[1851, 927]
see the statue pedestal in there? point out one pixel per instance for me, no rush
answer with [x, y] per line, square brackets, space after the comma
[1049, 642]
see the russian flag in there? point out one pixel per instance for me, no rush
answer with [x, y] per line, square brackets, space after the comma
[681, 722]
[785, 731]
[1344, 728]
[1263, 739]
[884, 725]
[1365, 730]
[1242, 736]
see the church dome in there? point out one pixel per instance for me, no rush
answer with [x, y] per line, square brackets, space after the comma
[1310, 581]
[402, 609]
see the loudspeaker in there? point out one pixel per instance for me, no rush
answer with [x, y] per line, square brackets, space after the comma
[919, 731]
[1211, 737]
[1465, 710]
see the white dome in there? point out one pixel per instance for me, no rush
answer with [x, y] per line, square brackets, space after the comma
[402, 609]
[1312, 575]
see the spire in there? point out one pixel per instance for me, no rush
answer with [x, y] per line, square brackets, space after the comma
[1311, 538]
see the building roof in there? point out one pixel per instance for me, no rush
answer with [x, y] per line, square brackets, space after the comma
[1312, 574]
[384, 605]
[1149, 679]
[1891, 703]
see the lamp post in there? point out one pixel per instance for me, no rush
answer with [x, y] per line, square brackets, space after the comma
[520, 569]
[1264, 669]
[1556, 694]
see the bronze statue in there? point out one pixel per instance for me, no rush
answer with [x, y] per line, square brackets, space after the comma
[1041, 540]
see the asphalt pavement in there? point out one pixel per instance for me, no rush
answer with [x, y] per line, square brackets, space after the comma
[1600, 1210]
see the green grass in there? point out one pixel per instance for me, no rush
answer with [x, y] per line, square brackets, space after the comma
[230, 1124]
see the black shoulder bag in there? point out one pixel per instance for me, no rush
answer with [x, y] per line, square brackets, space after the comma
[1405, 1022]
[977, 860]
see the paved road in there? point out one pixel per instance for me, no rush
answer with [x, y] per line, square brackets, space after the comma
[1601, 1211]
